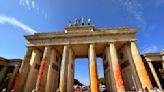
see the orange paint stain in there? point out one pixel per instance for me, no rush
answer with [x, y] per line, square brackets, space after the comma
[19, 78]
[61, 86]
[93, 77]
[118, 77]
[40, 76]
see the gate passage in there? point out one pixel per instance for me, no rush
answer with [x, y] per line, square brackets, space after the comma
[49, 62]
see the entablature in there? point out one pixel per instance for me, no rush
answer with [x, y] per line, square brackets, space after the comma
[153, 57]
[83, 37]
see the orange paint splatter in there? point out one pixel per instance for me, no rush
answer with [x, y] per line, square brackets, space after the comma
[61, 86]
[93, 77]
[118, 77]
[40, 76]
[19, 78]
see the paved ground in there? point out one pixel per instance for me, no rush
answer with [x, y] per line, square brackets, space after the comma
[86, 91]
[83, 91]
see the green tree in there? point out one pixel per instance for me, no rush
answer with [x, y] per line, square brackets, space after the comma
[102, 81]
[77, 82]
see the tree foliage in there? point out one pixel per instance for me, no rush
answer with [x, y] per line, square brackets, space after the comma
[102, 81]
[77, 82]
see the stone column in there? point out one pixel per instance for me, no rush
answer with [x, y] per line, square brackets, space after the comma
[70, 78]
[72, 75]
[162, 53]
[107, 73]
[133, 68]
[13, 77]
[154, 75]
[116, 68]
[63, 71]
[142, 73]
[93, 69]
[42, 76]
[3, 73]
[33, 71]
[53, 72]
[111, 79]
[23, 72]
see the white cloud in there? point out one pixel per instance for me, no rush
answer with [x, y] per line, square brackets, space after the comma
[15, 22]
[149, 48]
[33, 4]
[134, 8]
[30, 4]
[27, 3]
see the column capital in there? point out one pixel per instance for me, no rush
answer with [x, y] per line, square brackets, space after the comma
[35, 48]
[112, 42]
[92, 43]
[162, 52]
[133, 40]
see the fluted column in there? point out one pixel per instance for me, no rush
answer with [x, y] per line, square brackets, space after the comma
[110, 78]
[137, 82]
[23, 72]
[107, 71]
[42, 76]
[116, 68]
[93, 69]
[63, 72]
[53, 72]
[13, 77]
[3, 73]
[154, 75]
[34, 70]
[70, 77]
[142, 73]
[162, 53]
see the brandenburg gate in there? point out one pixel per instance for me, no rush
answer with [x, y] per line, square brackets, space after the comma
[49, 61]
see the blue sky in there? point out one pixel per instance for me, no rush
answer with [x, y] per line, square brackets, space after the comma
[22, 17]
